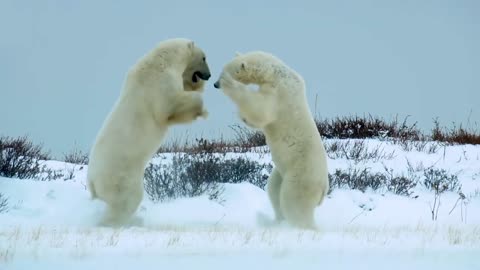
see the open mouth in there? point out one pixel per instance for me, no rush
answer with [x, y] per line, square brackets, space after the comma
[196, 76]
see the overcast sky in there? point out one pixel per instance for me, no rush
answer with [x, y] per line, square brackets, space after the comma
[62, 63]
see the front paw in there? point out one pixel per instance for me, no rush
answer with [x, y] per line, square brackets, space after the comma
[227, 82]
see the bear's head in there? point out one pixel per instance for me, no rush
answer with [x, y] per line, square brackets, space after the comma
[251, 68]
[197, 70]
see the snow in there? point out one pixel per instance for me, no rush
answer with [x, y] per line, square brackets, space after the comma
[51, 225]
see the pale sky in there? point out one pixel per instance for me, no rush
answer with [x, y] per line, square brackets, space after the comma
[62, 63]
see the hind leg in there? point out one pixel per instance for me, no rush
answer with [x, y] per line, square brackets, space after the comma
[122, 204]
[297, 203]
[274, 186]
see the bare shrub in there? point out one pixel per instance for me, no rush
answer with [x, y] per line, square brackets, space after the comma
[76, 156]
[200, 145]
[363, 179]
[48, 174]
[413, 169]
[245, 141]
[165, 182]
[433, 148]
[248, 138]
[238, 170]
[194, 174]
[173, 146]
[401, 184]
[355, 127]
[356, 150]
[354, 178]
[439, 181]
[209, 146]
[409, 145]
[20, 158]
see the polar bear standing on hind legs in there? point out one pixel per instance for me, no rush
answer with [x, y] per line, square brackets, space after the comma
[299, 181]
[162, 89]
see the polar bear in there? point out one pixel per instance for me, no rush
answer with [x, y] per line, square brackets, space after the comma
[163, 88]
[279, 108]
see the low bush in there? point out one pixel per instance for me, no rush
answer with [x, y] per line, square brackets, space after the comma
[354, 178]
[439, 180]
[190, 175]
[20, 158]
[364, 179]
[356, 150]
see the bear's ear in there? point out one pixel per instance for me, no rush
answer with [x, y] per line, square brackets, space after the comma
[191, 45]
[238, 53]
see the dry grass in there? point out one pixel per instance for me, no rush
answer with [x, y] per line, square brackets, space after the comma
[84, 242]
[400, 132]
[455, 135]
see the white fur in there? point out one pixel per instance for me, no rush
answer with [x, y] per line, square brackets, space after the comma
[299, 181]
[152, 99]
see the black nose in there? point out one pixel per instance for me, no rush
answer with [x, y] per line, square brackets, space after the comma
[217, 84]
[204, 76]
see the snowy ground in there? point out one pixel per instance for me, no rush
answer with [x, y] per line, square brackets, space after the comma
[52, 225]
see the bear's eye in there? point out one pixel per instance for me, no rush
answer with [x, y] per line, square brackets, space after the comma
[203, 59]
